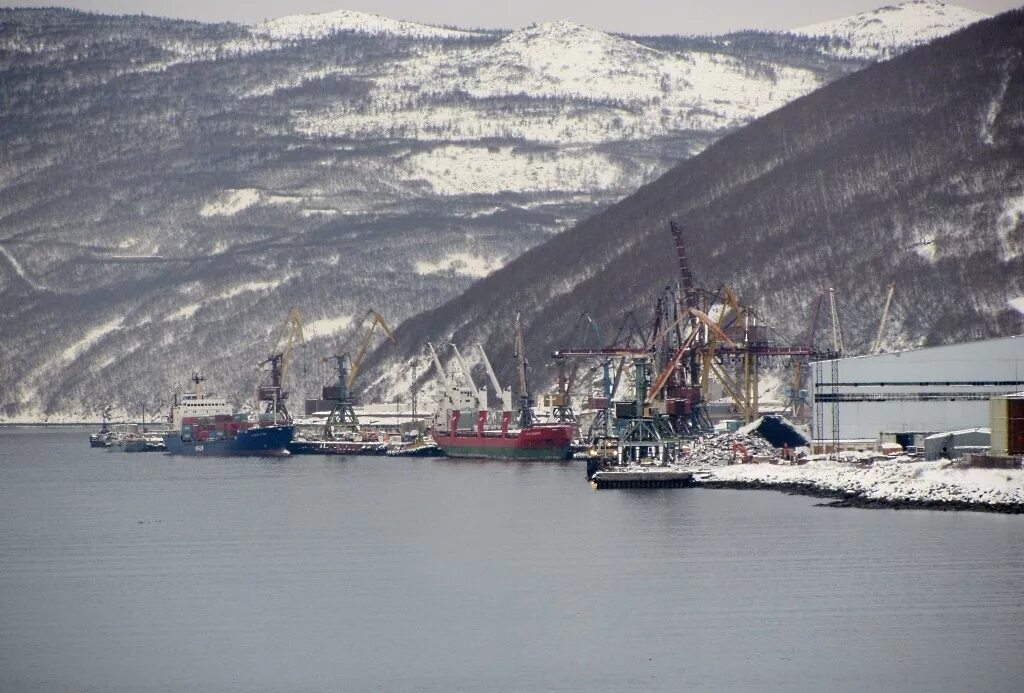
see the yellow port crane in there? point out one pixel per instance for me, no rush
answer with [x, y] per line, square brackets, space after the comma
[357, 362]
[271, 390]
[343, 415]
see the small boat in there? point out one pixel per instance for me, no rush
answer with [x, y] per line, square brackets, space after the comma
[101, 438]
[419, 446]
[303, 446]
[137, 442]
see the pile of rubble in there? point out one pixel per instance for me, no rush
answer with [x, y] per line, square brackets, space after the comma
[729, 448]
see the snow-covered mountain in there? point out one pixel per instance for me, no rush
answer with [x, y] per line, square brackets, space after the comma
[169, 189]
[889, 30]
[911, 171]
[318, 26]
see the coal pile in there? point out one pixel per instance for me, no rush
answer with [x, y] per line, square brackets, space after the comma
[729, 448]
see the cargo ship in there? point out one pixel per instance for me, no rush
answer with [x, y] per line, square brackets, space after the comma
[535, 442]
[528, 441]
[203, 425]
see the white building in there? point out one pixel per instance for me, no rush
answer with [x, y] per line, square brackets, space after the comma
[923, 391]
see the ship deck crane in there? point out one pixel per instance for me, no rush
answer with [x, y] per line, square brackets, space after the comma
[455, 398]
[505, 394]
[479, 393]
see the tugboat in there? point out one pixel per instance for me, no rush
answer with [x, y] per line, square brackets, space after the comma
[204, 425]
[101, 439]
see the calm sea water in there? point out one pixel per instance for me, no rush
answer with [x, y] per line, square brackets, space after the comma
[147, 572]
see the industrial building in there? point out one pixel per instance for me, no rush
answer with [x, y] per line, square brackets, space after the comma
[905, 396]
[1008, 425]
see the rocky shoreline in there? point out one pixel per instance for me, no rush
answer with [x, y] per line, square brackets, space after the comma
[858, 499]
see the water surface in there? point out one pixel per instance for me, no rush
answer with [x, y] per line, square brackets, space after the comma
[149, 572]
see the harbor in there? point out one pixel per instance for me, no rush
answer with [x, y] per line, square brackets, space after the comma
[672, 402]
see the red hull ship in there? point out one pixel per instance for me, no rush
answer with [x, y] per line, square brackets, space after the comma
[537, 442]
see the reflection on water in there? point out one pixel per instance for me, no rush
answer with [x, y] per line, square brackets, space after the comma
[153, 572]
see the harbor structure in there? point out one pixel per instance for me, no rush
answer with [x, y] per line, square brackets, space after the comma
[906, 395]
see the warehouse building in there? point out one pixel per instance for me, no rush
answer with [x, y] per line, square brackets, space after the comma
[906, 396]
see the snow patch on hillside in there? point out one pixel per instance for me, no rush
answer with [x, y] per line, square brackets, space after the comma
[318, 26]
[230, 202]
[325, 327]
[456, 170]
[463, 263]
[890, 30]
[265, 285]
[19, 270]
[90, 339]
[1017, 304]
[1011, 220]
[184, 313]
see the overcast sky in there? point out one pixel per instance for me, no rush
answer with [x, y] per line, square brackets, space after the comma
[625, 16]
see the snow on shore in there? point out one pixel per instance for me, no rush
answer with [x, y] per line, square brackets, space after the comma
[888, 482]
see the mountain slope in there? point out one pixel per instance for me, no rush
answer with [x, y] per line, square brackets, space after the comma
[170, 189]
[911, 170]
[890, 30]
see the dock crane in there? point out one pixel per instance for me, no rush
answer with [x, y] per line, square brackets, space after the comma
[271, 389]
[343, 413]
[525, 401]
[376, 319]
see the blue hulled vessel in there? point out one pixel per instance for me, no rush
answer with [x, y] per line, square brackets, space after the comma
[203, 425]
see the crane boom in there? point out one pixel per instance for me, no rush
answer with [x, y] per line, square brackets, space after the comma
[437, 364]
[666, 373]
[463, 366]
[505, 394]
[686, 278]
[877, 346]
[357, 362]
[837, 331]
[479, 393]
